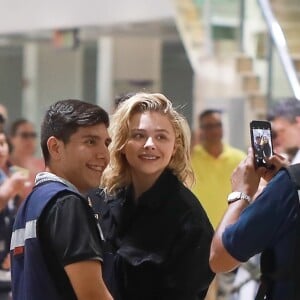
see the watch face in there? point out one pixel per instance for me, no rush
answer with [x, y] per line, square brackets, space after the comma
[234, 196]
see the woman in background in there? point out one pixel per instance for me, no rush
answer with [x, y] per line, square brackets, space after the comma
[23, 139]
[155, 228]
[12, 186]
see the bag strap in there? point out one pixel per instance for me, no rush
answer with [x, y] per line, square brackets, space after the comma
[294, 172]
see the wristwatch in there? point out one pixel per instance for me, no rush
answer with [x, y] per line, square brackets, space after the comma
[235, 196]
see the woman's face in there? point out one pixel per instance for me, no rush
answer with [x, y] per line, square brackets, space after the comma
[3, 150]
[24, 141]
[150, 146]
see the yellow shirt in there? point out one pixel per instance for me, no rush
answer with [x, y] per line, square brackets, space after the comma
[212, 175]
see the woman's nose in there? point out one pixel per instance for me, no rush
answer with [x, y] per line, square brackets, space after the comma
[149, 143]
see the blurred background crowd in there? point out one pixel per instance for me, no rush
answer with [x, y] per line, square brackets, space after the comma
[222, 62]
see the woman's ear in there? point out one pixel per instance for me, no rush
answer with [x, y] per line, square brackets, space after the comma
[54, 147]
[174, 150]
[122, 150]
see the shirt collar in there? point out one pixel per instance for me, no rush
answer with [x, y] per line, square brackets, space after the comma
[47, 176]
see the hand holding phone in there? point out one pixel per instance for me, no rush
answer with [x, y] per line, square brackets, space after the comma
[261, 141]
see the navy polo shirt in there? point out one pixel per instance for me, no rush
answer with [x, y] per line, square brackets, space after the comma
[270, 222]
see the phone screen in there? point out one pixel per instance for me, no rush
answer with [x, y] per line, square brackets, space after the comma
[261, 139]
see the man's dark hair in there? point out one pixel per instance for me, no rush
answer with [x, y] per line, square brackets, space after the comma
[64, 117]
[123, 97]
[288, 108]
[208, 112]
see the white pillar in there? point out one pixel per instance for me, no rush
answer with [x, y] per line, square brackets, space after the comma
[104, 92]
[30, 88]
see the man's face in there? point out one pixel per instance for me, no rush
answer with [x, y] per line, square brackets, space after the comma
[287, 133]
[211, 129]
[84, 157]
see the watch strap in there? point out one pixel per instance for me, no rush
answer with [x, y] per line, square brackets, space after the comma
[235, 196]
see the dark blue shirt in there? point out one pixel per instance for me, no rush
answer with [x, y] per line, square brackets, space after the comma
[270, 222]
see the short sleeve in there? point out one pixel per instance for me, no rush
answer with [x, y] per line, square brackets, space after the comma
[70, 229]
[269, 218]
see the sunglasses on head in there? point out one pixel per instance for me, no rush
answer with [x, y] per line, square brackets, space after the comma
[27, 135]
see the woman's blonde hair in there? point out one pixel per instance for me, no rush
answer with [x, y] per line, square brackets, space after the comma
[117, 174]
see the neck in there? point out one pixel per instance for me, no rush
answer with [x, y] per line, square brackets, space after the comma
[64, 180]
[214, 150]
[142, 183]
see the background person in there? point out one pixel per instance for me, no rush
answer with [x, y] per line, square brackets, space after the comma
[285, 119]
[23, 139]
[156, 227]
[11, 185]
[213, 161]
[56, 246]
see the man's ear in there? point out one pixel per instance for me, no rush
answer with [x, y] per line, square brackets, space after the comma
[55, 147]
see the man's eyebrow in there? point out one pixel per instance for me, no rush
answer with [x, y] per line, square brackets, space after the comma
[91, 136]
[95, 137]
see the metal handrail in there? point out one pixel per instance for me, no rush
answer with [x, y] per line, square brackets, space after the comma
[280, 43]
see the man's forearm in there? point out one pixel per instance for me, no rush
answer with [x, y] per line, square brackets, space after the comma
[220, 259]
[87, 282]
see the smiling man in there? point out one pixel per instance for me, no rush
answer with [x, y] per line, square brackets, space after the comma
[56, 246]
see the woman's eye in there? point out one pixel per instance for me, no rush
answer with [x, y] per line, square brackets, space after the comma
[137, 136]
[161, 137]
[90, 142]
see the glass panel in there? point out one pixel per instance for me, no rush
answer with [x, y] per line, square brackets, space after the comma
[223, 19]
[277, 84]
[280, 86]
[225, 9]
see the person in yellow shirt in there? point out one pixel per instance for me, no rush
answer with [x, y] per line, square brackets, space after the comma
[213, 161]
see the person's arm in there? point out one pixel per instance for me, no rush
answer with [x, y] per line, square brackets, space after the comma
[220, 260]
[12, 186]
[244, 179]
[86, 279]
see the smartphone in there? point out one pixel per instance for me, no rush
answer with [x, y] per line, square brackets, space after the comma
[261, 141]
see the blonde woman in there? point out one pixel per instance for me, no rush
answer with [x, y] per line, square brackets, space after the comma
[155, 227]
